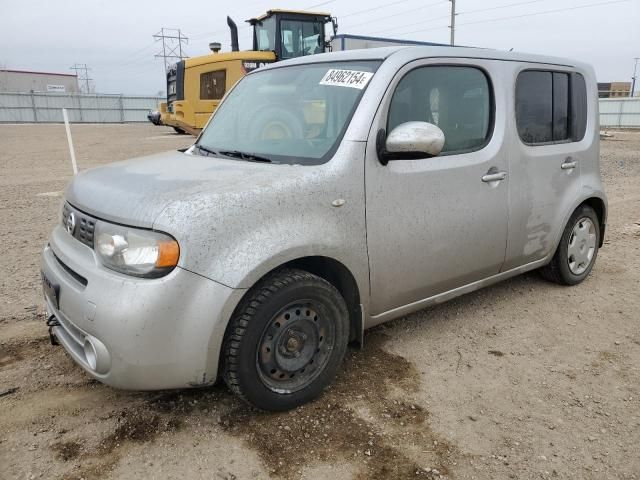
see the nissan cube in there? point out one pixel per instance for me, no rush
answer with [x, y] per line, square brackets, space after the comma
[326, 195]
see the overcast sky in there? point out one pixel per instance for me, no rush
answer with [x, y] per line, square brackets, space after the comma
[114, 38]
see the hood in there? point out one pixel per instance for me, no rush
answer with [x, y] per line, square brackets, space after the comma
[135, 192]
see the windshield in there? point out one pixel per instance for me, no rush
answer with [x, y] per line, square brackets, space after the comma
[291, 115]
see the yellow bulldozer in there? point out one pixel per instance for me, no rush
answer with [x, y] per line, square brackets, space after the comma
[196, 85]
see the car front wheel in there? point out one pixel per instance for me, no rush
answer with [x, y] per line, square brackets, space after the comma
[286, 340]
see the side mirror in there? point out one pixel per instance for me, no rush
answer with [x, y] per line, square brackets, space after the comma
[410, 140]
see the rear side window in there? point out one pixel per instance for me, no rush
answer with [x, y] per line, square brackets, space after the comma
[550, 106]
[457, 99]
[212, 85]
[579, 107]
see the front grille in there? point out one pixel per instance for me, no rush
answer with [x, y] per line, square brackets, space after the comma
[84, 224]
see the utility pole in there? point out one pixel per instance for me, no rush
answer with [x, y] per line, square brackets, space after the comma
[452, 41]
[3, 67]
[172, 41]
[82, 72]
[633, 79]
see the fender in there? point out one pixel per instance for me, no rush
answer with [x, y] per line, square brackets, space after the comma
[584, 196]
[356, 301]
[351, 280]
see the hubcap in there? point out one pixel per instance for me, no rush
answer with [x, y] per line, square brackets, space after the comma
[582, 246]
[295, 346]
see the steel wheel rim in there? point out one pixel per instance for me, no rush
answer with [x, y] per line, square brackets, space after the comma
[295, 346]
[582, 246]
[276, 130]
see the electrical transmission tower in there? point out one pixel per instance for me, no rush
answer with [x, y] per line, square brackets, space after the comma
[82, 72]
[172, 41]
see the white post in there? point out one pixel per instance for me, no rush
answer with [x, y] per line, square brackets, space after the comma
[70, 141]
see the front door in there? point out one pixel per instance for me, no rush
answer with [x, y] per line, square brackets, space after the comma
[435, 224]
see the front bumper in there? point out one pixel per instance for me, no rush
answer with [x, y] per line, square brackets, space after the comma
[143, 334]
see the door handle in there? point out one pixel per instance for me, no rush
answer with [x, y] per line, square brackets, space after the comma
[494, 177]
[568, 164]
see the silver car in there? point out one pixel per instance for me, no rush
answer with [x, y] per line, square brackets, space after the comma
[326, 195]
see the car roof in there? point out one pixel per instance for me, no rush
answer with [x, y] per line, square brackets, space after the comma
[410, 52]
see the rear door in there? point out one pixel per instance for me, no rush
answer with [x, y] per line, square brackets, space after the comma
[435, 224]
[548, 128]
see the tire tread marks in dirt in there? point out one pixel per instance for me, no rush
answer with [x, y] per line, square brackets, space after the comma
[361, 419]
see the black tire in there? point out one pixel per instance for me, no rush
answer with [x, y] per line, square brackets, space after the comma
[274, 119]
[179, 131]
[283, 377]
[559, 269]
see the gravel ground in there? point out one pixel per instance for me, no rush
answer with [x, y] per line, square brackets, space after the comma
[523, 380]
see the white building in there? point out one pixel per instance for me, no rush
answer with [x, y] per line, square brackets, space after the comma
[25, 81]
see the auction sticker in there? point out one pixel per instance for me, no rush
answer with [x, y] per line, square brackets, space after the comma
[346, 78]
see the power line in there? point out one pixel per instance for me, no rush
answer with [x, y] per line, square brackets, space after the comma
[145, 68]
[435, 18]
[82, 72]
[135, 60]
[122, 71]
[430, 20]
[500, 6]
[547, 11]
[367, 10]
[144, 72]
[578, 7]
[136, 52]
[131, 58]
[465, 12]
[421, 7]
[519, 16]
[215, 32]
[318, 5]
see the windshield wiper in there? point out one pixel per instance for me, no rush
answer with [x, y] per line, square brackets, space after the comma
[234, 154]
[205, 149]
[245, 156]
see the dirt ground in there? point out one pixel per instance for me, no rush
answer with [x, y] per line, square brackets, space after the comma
[522, 380]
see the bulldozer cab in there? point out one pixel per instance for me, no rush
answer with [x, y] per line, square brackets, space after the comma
[291, 33]
[195, 86]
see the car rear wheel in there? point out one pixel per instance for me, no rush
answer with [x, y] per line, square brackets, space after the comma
[286, 340]
[578, 249]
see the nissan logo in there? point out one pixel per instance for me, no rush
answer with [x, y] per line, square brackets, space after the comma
[70, 224]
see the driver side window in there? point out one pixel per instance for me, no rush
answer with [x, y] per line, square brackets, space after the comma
[457, 99]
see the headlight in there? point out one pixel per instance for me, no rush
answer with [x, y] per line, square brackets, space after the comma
[143, 253]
